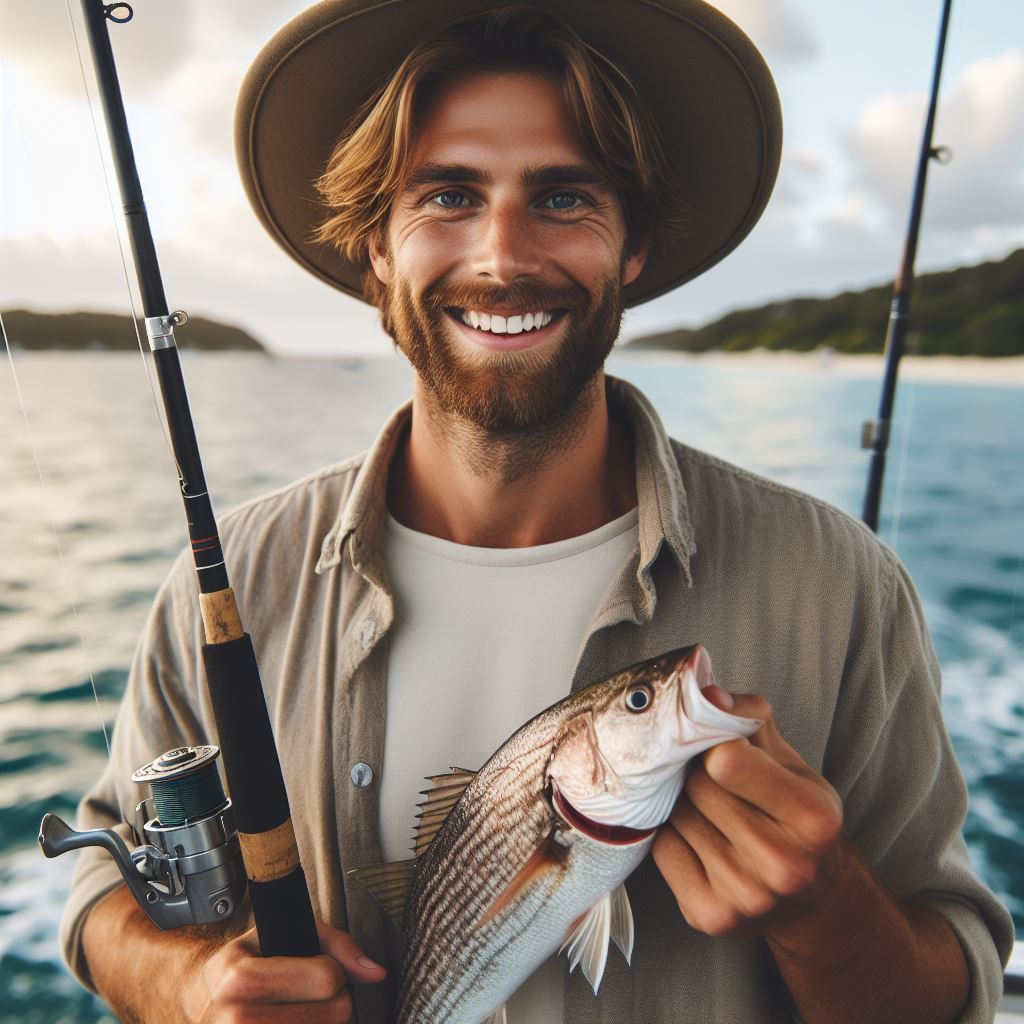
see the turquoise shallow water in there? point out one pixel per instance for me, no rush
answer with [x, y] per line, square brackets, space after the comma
[954, 511]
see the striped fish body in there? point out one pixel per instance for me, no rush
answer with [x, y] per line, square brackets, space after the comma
[458, 970]
[508, 864]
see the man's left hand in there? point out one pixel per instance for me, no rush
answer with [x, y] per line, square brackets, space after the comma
[754, 838]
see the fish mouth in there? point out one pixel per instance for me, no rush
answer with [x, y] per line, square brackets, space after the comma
[613, 835]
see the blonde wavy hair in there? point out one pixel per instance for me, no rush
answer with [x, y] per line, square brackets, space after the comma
[370, 162]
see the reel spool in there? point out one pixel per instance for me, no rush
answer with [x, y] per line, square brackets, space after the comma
[189, 870]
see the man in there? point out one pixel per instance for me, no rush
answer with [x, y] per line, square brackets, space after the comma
[501, 195]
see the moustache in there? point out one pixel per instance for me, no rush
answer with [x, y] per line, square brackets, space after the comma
[525, 295]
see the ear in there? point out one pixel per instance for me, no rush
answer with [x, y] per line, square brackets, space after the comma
[379, 257]
[635, 262]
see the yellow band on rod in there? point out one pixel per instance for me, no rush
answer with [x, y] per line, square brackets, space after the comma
[270, 855]
[221, 621]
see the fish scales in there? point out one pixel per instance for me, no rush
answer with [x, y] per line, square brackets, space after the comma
[506, 875]
[480, 849]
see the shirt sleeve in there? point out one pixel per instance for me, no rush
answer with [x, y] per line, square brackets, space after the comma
[163, 707]
[906, 803]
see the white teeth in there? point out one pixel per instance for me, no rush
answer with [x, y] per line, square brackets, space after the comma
[506, 325]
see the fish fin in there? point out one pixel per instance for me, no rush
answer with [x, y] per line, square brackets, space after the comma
[498, 1017]
[389, 885]
[443, 795]
[548, 855]
[587, 941]
[622, 922]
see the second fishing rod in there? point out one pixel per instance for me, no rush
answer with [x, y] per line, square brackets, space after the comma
[183, 781]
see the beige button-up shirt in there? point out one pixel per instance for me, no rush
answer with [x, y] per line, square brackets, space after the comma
[793, 600]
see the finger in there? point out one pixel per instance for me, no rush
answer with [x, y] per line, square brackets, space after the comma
[683, 871]
[346, 951]
[280, 979]
[762, 846]
[335, 1011]
[731, 880]
[800, 800]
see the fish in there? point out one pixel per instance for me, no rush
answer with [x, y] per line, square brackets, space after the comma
[529, 855]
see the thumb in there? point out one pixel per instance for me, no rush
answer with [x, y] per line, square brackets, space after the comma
[722, 699]
[342, 947]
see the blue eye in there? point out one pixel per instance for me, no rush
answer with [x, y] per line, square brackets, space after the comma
[639, 698]
[440, 198]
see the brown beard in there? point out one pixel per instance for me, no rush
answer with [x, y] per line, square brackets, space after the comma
[515, 393]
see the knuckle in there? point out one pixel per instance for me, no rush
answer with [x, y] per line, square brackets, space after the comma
[233, 982]
[756, 901]
[793, 875]
[821, 829]
[721, 923]
[327, 978]
[723, 762]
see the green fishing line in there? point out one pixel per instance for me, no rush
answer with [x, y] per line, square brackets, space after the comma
[179, 801]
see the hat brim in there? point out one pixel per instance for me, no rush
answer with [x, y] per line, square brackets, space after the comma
[706, 84]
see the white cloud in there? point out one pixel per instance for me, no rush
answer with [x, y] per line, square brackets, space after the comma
[775, 26]
[981, 119]
[37, 36]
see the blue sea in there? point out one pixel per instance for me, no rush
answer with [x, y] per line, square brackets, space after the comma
[88, 536]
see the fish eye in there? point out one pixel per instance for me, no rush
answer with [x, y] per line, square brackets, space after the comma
[639, 698]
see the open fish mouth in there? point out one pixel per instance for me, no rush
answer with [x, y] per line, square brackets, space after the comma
[613, 835]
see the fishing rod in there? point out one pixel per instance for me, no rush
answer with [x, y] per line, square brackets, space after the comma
[196, 834]
[875, 435]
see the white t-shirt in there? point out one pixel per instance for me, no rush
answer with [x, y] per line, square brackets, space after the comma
[483, 640]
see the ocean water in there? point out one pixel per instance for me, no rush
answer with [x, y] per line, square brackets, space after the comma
[84, 549]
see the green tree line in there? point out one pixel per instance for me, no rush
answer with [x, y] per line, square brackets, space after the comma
[111, 331]
[971, 311]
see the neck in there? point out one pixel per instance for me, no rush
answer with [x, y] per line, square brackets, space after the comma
[453, 480]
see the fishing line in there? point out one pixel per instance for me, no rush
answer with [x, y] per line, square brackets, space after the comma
[64, 575]
[143, 350]
[901, 476]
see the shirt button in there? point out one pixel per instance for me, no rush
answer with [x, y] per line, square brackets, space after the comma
[362, 774]
[366, 634]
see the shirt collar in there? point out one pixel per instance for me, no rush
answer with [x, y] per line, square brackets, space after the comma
[664, 513]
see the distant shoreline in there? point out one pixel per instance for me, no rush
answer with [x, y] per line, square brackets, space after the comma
[999, 372]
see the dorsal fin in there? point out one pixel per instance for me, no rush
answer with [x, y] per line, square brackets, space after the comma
[389, 884]
[443, 795]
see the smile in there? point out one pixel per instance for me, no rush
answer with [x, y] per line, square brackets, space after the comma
[496, 323]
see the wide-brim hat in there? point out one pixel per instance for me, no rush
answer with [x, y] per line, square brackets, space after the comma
[704, 81]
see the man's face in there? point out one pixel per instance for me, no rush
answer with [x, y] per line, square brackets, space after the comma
[505, 260]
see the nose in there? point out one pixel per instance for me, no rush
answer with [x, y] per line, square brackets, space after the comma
[507, 246]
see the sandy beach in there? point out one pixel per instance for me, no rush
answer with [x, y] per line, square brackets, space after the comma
[956, 369]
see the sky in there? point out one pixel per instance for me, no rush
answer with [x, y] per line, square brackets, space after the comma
[853, 79]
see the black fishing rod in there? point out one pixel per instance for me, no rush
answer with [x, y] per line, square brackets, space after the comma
[876, 432]
[196, 830]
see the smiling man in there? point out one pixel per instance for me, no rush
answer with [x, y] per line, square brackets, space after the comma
[501, 190]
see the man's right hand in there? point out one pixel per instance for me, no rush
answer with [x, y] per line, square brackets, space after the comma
[198, 976]
[237, 985]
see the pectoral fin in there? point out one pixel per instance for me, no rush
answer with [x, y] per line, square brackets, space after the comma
[549, 856]
[610, 919]
[498, 1017]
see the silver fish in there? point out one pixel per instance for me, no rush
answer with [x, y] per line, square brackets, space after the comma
[529, 854]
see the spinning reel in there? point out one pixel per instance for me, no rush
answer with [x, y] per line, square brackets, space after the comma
[188, 869]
